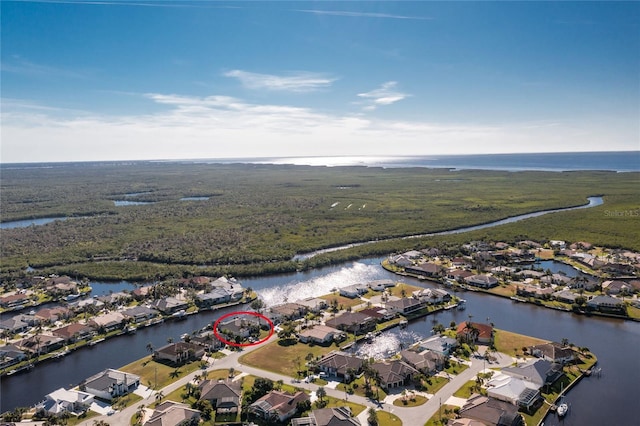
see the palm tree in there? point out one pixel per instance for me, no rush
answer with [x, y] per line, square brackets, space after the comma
[159, 396]
[372, 418]
[321, 393]
[175, 373]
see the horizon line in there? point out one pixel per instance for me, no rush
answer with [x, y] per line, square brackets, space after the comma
[281, 157]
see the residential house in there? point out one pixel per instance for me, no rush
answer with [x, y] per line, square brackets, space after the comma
[491, 412]
[431, 295]
[240, 326]
[287, 311]
[558, 279]
[69, 401]
[405, 305]
[381, 285]
[232, 285]
[338, 416]
[169, 305]
[314, 304]
[534, 291]
[216, 296]
[605, 303]
[195, 282]
[473, 332]
[353, 291]
[530, 273]
[553, 352]
[179, 353]
[107, 322]
[401, 260]
[207, 340]
[321, 334]
[171, 413]
[340, 364]
[51, 315]
[380, 314]
[11, 355]
[616, 287]
[427, 269]
[482, 281]
[459, 274]
[565, 296]
[513, 390]
[14, 325]
[40, 343]
[74, 332]
[13, 301]
[224, 395]
[427, 362]
[142, 292]
[412, 254]
[537, 371]
[440, 345]
[461, 262]
[394, 373]
[353, 322]
[278, 405]
[110, 384]
[114, 299]
[140, 314]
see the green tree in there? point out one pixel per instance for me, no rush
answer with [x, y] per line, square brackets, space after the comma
[372, 417]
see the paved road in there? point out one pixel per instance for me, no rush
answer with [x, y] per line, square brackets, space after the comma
[409, 415]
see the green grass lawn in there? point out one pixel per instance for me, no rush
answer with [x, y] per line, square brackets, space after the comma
[388, 419]
[150, 370]
[283, 359]
[343, 302]
[399, 287]
[359, 388]
[336, 402]
[466, 390]
[510, 343]
[434, 384]
[456, 367]
[410, 400]
[445, 414]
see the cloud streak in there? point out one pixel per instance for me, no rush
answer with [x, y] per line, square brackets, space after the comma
[299, 82]
[361, 14]
[384, 95]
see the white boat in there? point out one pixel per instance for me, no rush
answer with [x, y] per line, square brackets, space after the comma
[562, 409]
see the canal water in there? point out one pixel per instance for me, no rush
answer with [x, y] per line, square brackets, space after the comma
[609, 399]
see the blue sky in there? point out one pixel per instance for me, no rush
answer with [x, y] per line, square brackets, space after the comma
[111, 80]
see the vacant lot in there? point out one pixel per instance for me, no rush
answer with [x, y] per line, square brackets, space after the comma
[283, 359]
[512, 343]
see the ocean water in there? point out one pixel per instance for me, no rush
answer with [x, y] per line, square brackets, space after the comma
[625, 161]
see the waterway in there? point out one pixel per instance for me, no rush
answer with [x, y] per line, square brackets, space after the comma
[609, 399]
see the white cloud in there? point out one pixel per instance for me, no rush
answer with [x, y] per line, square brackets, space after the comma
[384, 95]
[294, 82]
[228, 127]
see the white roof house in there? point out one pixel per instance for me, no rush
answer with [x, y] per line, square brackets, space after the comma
[61, 400]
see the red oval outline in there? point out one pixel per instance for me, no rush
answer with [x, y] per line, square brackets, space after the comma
[235, 313]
